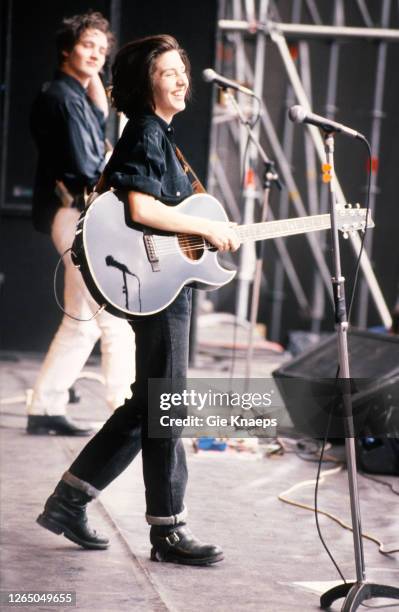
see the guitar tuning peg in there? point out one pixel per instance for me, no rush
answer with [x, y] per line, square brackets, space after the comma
[345, 235]
[358, 205]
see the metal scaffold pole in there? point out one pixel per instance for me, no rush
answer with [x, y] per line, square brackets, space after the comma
[377, 117]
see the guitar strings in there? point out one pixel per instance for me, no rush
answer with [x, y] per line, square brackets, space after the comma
[187, 243]
[173, 244]
[167, 245]
[249, 232]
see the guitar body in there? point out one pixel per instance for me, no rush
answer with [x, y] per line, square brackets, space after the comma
[137, 271]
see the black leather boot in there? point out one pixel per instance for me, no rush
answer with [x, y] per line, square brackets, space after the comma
[178, 545]
[65, 512]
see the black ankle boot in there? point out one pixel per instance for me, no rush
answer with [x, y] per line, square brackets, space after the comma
[178, 545]
[65, 512]
[60, 425]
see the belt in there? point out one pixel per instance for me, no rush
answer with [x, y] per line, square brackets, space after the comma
[67, 200]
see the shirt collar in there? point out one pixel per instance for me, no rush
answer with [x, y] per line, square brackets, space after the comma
[166, 127]
[71, 81]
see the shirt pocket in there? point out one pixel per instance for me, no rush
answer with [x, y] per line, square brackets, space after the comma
[176, 186]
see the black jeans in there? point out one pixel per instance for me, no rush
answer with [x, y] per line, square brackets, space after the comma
[161, 352]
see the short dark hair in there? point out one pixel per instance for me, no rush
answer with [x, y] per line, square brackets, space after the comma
[73, 27]
[133, 68]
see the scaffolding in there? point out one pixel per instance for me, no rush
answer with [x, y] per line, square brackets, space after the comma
[244, 28]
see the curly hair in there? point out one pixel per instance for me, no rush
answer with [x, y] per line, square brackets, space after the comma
[72, 28]
[132, 72]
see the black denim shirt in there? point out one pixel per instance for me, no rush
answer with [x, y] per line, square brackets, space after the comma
[69, 132]
[144, 160]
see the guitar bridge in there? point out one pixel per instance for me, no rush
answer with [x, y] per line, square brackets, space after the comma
[151, 251]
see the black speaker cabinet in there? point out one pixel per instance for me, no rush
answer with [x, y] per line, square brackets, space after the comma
[313, 399]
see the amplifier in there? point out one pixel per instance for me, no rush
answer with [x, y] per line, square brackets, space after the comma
[307, 386]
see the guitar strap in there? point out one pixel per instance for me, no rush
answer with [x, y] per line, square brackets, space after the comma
[192, 177]
[101, 185]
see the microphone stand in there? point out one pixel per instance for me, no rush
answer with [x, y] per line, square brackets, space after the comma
[358, 591]
[270, 176]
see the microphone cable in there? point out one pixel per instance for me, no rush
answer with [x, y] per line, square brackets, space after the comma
[382, 549]
[357, 266]
[60, 306]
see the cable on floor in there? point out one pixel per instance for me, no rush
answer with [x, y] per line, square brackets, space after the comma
[283, 497]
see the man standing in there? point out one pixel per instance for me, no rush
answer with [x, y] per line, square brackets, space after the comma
[68, 126]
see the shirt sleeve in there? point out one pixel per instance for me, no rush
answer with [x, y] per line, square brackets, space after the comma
[99, 114]
[85, 136]
[139, 167]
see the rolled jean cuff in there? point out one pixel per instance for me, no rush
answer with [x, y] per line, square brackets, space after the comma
[167, 520]
[82, 485]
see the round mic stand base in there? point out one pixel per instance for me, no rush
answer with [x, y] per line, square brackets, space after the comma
[355, 593]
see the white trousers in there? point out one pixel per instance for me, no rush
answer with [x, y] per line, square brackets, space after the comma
[75, 340]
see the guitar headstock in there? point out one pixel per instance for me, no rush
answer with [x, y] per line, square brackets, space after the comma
[353, 219]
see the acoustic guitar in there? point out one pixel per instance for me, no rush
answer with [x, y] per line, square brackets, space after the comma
[133, 270]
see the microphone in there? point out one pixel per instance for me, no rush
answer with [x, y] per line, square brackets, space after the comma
[298, 114]
[210, 76]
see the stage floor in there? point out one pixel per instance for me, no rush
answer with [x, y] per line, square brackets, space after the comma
[274, 560]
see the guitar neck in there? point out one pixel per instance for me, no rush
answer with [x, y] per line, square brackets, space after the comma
[284, 227]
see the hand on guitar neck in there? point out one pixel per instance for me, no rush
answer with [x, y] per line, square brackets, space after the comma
[146, 210]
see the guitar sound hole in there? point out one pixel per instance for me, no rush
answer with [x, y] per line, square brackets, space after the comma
[192, 247]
